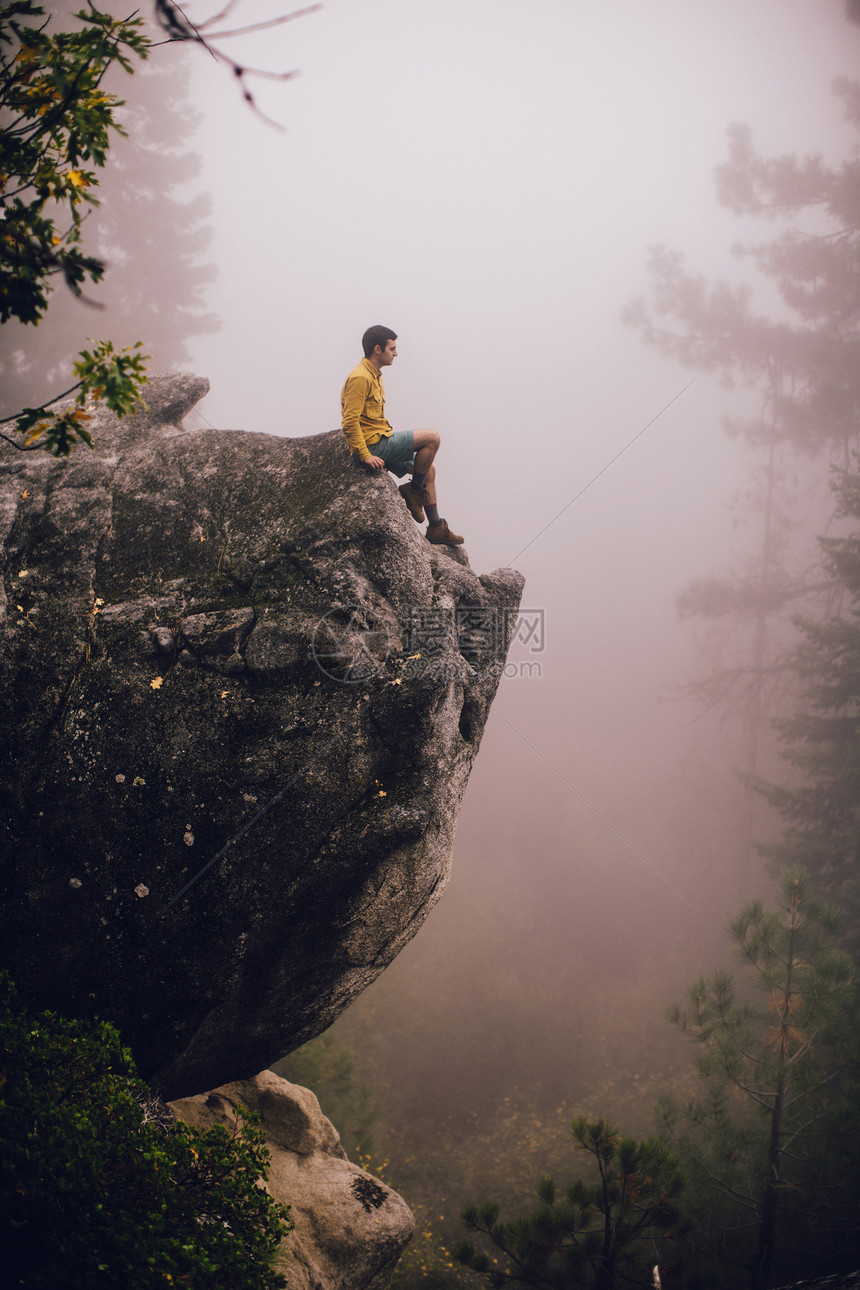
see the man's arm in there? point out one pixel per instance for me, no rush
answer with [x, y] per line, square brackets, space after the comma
[353, 400]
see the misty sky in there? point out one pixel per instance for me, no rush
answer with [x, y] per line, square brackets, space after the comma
[485, 176]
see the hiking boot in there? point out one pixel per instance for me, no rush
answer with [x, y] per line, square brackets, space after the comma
[414, 499]
[440, 535]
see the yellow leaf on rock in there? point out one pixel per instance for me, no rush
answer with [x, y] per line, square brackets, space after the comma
[157, 683]
[39, 428]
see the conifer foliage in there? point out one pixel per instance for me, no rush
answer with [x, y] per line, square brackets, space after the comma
[822, 742]
[800, 355]
[761, 1140]
[602, 1233]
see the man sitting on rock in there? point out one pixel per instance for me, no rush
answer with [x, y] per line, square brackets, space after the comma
[363, 402]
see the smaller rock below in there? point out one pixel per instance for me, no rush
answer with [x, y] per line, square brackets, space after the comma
[350, 1229]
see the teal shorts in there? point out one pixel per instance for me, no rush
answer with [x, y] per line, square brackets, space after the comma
[397, 450]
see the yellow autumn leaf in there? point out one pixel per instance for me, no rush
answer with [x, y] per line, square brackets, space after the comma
[157, 683]
[77, 179]
[38, 429]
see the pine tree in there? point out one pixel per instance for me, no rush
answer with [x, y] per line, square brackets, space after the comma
[822, 742]
[602, 1233]
[776, 1076]
[802, 361]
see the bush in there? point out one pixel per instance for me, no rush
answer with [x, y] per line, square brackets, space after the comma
[99, 1187]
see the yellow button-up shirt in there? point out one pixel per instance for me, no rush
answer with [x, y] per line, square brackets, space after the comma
[362, 401]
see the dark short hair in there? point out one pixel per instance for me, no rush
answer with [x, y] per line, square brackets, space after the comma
[374, 336]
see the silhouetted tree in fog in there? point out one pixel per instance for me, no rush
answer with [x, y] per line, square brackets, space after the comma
[803, 359]
[762, 1141]
[821, 742]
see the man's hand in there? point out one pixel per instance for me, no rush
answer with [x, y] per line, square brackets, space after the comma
[375, 463]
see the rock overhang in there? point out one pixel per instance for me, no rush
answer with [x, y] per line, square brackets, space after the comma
[242, 697]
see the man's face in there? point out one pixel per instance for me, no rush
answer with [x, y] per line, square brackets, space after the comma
[385, 357]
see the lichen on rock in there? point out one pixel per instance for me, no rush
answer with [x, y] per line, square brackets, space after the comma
[234, 677]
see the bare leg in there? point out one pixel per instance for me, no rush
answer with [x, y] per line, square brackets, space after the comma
[430, 485]
[426, 446]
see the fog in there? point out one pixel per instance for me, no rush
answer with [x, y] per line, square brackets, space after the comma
[486, 177]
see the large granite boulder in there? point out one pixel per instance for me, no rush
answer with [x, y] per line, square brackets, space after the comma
[349, 1228]
[240, 697]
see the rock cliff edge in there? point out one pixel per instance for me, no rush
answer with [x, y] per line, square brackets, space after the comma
[241, 696]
